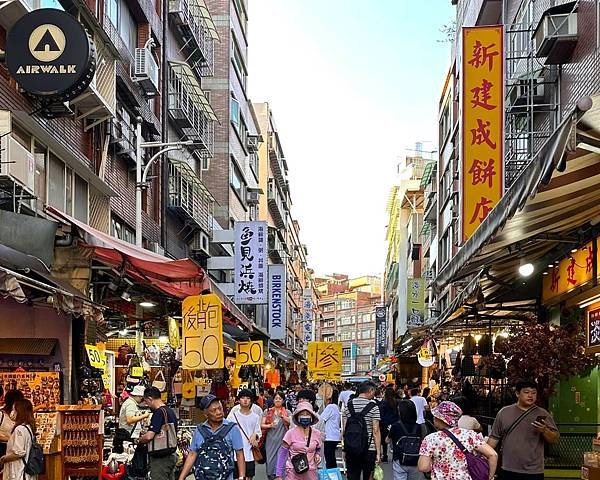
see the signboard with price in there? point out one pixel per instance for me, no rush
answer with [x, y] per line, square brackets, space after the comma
[202, 319]
[249, 353]
[98, 359]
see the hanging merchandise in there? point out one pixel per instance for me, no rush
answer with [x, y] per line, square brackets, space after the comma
[456, 372]
[124, 352]
[501, 344]
[469, 345]
[484, 347]
[174, 336]
[135, 370]
[177, 382]
[188, 389]
[159, 381]
[152, 354]
[468, 366]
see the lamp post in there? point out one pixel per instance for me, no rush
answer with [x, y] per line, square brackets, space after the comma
[141, 176]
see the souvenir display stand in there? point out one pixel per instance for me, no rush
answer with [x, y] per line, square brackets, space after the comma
[81, 440]
[46, 426]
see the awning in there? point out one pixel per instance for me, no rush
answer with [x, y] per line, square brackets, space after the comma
[190, 176]
[428, 171]
[188, 78]
[281, 352]
[28, 346]
[551, 196]
[205, 14]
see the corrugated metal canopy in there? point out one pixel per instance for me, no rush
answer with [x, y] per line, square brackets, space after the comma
[27, 346]
[205, 14]
[188, 77]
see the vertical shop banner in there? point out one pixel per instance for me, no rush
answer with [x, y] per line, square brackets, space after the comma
[482, 99]
[202, 321]
[415, 302]
[325, 357]
[380, 330]
[277, 302]
[592, 331]
[250, 255]
[307, 314]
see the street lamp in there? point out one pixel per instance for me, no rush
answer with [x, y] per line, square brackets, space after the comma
[142, 176]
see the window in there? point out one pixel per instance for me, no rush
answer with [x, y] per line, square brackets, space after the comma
[329, 323]
[56, 182]
[346, 304]
[80, 199]
[351, 320]
[236, 181]
[347, 335]
[119, 230]
[127, 26]
[40, 154]
[238, 60]
[330, 307]
[235, 112]
[328, 338]
[365, 318]
[111, 9]
[346, 352]
[364, 367]
[21, 136]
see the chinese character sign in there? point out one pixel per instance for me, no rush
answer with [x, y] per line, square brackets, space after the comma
[593, 328]
[277, 302]
[202, 322]
[482, 166]
[380, 330]
[570, 273]
[325, 357]
[415, 302]
[250, 262]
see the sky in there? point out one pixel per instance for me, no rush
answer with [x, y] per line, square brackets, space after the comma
[352, 84]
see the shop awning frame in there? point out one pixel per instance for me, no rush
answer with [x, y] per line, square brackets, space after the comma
[28, 346]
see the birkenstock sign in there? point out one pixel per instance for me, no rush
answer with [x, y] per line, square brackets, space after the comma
[50, 55]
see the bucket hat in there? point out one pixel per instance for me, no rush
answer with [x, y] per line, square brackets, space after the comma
[302, 406]
[447, 412]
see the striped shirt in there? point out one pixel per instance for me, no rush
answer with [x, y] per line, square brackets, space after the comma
[359, 403]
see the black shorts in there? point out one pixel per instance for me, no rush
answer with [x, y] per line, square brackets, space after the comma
[250, 470]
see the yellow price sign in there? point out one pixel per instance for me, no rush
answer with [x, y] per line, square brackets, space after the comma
[324, 375]
[202, 319]
[96, 357]
[137, 372]
[249, 353]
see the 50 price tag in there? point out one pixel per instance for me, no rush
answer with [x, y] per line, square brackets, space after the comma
[96, 357]
[249, 353]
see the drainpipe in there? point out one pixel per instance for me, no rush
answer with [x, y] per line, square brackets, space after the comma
[164, 176]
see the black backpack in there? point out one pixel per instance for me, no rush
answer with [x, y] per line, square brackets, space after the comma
[34, 465]
[215, 456]
[356, 434]
[406, 449]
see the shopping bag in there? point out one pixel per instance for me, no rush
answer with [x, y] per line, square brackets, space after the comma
[188, 389]
[330, 474]
[378, 473]
[159, 381]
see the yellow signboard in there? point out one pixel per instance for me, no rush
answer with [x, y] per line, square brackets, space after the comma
[249, 353]
[41, 388]
[570, 273]
[482, 172]
[322, 375]
[97, 358]
[325, 357]
[202, 319]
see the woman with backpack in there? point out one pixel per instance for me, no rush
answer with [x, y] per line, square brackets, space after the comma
[20, 442]
[405, 437]
[388, 409]
[447, 454]
[275, 424]
[300, 453]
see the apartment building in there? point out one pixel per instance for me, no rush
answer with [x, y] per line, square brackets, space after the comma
[347, 315]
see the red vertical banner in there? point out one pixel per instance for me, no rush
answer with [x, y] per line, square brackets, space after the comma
[482, 159]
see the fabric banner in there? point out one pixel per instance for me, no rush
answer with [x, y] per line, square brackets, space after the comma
[277, 302]
[380, 330]
[415, 302]
[250, 255]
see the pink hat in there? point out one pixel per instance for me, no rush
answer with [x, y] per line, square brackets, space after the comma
[302, 406]
[447, 412]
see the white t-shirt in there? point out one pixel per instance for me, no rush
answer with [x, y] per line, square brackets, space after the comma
[19, 444]
[249, 424]
[421, 404]
[331, 417]
[255, 408]
[6, 424]
[345, 396]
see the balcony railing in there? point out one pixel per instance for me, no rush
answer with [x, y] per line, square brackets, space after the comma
[189, 108]
[277, 161]
[195, 29]
[276, 205]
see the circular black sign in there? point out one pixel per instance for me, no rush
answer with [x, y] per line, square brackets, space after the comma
[49, 54]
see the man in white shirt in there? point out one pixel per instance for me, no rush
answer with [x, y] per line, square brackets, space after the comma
[345, 395]
[249, 425]
[420, 403]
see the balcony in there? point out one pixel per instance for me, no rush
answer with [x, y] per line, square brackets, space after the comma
[196, 32]
[188, 197]
[277, 160]
[122, 135]
[189, 109]
[277, 248]
[276, 205]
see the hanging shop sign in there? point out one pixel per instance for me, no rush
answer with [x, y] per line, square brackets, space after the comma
[98, 359]
[426, 354]
[592, 331]
[415, 302]
[570, 273]
[325, 357]
[41, 388]
[49, 54]
[321, 375]
[380, 330]
[482, 97]
[307, 313]
[277, 302]
[202, 321]
[249, 353]
[250, 254]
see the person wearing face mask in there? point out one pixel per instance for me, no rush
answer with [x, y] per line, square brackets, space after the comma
[6, 421]
[19, 444]
[300, 439]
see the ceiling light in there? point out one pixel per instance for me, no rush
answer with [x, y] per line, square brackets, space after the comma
[163, 339]
[544, 273]
[125, 296]
[123, 332]
[573, 250]
[147, 304]
[550, 265]
[477, 337]
[526, 269]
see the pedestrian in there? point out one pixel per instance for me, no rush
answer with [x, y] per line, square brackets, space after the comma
[20, 441]
[406, 438]
[331, 418]
[307, 395]
[361, 420]
[161, 463]
[249, 425]
[420, 403]
[291, 400]
[260, 400]
[301, 447]
[269, 398]
[216, 445]
[6, 423]
[130, 418]
[345, 395]
[440, 453]
[255, 408]
[275, 424]
[388, 408]
[467, 421]
[529, 428]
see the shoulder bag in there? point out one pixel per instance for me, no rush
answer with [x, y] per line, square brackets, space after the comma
[256, 453]
[478, 467]
[510, 430]
[300, 460]
[164, 442]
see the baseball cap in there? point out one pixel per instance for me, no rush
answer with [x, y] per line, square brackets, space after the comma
[206, 401]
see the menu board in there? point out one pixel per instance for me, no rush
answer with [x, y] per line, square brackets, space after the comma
[46, 429]
[42, 388]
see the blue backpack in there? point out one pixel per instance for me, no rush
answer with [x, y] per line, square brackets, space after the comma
[215, 455]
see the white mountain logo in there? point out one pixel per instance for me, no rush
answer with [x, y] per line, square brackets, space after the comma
[47, 43]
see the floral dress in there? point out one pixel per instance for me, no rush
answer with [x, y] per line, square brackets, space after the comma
[448, 462]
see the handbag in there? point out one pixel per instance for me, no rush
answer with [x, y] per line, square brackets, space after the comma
[478, 467]
[159, 381]
[256, 452]
[177, 382]
[300, 460]
[165, 442]
[188, 389]
[502, 441]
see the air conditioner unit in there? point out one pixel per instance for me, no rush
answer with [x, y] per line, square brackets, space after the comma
[200, 243]
[556, 35]
[17, 163]
[252, 198]
[252, 143]
[156, 248]
[527, 91]
[146, 71]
